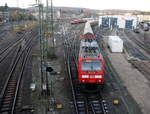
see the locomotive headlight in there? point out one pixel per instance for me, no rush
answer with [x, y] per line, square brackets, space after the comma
[98, 76]
[85, 76]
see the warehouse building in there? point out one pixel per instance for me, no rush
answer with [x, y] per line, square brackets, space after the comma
[118, 21]
[144, 18]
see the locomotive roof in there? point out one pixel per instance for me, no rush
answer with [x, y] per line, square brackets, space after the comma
[89, 49]
[87, 28]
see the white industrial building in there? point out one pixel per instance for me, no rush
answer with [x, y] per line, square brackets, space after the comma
[118, 21]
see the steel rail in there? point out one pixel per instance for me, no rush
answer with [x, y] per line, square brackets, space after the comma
[71, 82]
[19, 80]
[16, 60]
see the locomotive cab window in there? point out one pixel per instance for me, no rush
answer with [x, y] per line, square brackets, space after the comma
[91, 65]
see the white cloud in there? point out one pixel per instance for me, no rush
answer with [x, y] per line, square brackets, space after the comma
[94, 4]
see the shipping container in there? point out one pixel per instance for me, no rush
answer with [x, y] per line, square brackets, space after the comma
[115, 44]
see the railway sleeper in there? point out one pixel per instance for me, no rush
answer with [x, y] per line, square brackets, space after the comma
[105, 107]
[6, 103]
[10, 90]
[97, 108]
[9, 93]
[12, 81]
[79, 96]
[7, 100]
[81, 106]
[5, 110]
[8, 97]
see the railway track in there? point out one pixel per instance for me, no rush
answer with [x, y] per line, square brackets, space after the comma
[143, 67]
[7, 54]
[138, 42]
[6, 51]
[96, 104]
[84, 103]
[2, 34]
[10, 92]
[132, 50]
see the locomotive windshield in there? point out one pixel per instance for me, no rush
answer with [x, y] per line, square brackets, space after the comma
[91, 65]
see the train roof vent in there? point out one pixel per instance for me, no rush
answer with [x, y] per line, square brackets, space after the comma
[91, 52]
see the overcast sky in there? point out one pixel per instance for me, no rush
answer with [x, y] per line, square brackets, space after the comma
[93, 4]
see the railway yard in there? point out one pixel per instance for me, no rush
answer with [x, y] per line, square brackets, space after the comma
[23, 90]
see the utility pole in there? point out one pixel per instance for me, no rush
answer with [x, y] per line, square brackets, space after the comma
[41, 43]
[43, 49]
[46, 44]
[52, 31]
[47, 27]
[6, 13]
[18, 13]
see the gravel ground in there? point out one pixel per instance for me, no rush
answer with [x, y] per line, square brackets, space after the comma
[60, 85]
[133, 80]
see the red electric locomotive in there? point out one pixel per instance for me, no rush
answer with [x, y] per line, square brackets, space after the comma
[90, 63]
[90, 60]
